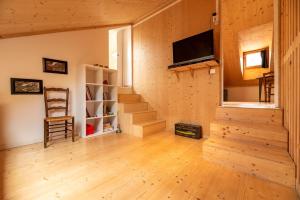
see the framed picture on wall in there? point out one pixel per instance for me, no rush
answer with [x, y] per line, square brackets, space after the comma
[55, 66]
[26, 86]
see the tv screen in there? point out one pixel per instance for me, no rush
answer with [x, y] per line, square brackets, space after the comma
[194, 49]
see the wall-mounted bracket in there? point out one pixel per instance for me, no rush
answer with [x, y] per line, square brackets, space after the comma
[177, 75]
[211, 64]
[192, 72]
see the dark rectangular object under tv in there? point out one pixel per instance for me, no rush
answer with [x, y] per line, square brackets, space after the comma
[194, 49]
[188, 130]
[26, 86]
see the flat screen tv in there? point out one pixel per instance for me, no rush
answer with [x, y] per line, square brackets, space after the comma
[197, 48]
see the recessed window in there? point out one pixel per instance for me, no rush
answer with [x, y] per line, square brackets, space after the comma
[256, 59]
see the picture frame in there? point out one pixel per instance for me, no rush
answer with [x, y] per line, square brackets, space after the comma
[21, 86]
[55, 66]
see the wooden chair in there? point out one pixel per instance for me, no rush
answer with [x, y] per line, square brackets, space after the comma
[268, 79]
[56, 124]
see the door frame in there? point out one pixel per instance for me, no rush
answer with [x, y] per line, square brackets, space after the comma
[276, 52]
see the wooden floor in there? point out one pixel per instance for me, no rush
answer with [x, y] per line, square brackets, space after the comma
[162, 166]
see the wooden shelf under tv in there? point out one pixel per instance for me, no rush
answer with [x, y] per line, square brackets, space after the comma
[200, 65]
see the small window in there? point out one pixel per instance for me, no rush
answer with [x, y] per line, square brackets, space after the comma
[256, 59]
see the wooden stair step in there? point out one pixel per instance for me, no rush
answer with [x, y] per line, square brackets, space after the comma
[143, 116]
[273, 165]
[250, 115]
[274, 154]
[146, 128]
[125, 90]
[267, 135]
[133, 107]
[129, 98]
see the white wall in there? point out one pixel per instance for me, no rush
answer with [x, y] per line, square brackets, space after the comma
[21, 116]
[127, 57]
[243, 94]
[120, 54]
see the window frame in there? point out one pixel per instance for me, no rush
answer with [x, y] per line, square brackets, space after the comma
[267, 59]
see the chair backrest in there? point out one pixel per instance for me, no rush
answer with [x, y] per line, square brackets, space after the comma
[268, 74]
[63, 102]
[269, 77]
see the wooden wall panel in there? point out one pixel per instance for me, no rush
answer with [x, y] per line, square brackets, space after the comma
[189, 99]
[290, 76]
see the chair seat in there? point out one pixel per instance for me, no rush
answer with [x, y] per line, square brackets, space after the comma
[57, 119]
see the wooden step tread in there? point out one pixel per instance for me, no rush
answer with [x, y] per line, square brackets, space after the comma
[258, 126]
[131, 103]
[129, 98]
[250, 115]
[141, 112]
[125, 90]
[268, 153]
[150, 123]
[129, 95]
[267, 135]
[130, 107]
[248, 107]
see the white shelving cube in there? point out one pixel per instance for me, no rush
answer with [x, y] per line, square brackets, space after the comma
[100, 99]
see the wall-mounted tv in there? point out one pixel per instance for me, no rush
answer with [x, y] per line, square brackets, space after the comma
[194, 49]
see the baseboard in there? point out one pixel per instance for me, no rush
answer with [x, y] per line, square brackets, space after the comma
[10, 146]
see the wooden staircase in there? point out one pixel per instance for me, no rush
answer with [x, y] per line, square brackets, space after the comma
[135, 117]
[253, 141]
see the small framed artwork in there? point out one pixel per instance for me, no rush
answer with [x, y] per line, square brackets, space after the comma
[55, 66]
[26, 86]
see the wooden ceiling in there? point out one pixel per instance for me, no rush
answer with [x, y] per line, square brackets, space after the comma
[29, 17]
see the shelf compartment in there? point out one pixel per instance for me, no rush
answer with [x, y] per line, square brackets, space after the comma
[94, 93]
[93, 76]
[94, 110]
[109, 131]
[106, 85]
[94, 84]
[97, 123]
[109, 124]
[109, 108]
[110, 77]
[91, 118]
[110, 93]
[94, 101]
[107, 116]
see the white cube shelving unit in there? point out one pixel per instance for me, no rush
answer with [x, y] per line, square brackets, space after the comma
[102, 103]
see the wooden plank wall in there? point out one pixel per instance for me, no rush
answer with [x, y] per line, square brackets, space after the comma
[290, 75]
[189, 99]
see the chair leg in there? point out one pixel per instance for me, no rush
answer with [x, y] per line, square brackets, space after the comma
[45, 133]
[73, 129]
[265, 91]
[269, 92]
[66, 129]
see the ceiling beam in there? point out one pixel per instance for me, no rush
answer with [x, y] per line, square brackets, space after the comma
[155, 12]
[13, 35]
